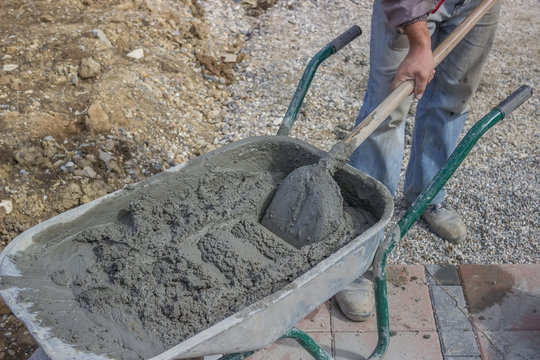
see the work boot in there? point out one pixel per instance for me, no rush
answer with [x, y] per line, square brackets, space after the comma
[357, 301]
[445, 222]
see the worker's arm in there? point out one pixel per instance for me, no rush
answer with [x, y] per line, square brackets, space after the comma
[409, 16]
[418, 64]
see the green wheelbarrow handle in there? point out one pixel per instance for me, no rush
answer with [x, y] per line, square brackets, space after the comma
[330, 49]
[417, 208]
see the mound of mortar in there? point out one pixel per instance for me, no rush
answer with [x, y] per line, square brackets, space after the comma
[159, 263]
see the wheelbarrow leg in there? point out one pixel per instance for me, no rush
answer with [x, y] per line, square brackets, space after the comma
[418, 207]
[307, 343]
[301, 338]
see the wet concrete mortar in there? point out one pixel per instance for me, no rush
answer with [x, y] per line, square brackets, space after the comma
[179, 258]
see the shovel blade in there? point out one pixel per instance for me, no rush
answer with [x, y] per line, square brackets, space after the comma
[306, 208]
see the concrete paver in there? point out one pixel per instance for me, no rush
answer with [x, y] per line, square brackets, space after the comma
[403, 345]
[288, 349]
[504, 301]
[317, 321]
[503, 297]
[434, 321]
[451, 315]
[412, 324]
[458, 343]
[450, 308]
[408, 301]
[510, 345]
[442, 275]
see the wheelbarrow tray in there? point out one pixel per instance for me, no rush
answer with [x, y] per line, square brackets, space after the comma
[252, 327]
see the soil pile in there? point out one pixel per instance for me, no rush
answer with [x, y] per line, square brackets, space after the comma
[98, 94]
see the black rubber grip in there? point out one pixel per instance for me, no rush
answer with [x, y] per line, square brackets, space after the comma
[514, 100]
[344, 39]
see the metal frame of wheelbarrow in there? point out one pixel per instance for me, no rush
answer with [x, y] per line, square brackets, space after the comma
[417, 208]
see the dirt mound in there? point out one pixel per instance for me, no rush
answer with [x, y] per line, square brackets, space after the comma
[98, 94]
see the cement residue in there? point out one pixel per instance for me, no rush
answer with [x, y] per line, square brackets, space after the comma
[308, 205]
[173, 261]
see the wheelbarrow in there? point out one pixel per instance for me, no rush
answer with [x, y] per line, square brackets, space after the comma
[269, 318]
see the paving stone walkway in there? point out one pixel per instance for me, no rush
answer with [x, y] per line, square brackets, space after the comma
[451, 313]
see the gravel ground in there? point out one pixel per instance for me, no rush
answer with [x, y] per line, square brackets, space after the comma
[495, 189]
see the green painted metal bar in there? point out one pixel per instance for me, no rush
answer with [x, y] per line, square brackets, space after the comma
[307, 343]
[333, 47]
[420, 204]
[302, 88]
[301, 337]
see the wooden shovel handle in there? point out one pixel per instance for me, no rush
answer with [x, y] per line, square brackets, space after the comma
[392, 101]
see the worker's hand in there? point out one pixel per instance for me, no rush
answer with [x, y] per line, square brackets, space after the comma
[418, 64]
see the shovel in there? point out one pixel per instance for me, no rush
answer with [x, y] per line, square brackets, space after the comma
[308, 206]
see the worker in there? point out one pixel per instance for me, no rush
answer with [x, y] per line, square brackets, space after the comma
[403, 34]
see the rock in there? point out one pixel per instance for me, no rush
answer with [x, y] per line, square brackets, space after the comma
[84, 163]
[136, 54]
[105, 157]
[265, 4]
[210, 77]
[46, 18]
[9, 67]
[199, 29]
[74, 79]
[89, 68]
[7, 205]
[69, 197]
[102, 37]
[28, 157]
[49, 151]
[229, 58]
[109, 145]
[59, 80]
[91, 158]
[97, 120]
[89, 172]
[113, 166]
